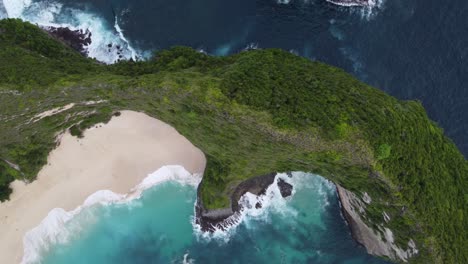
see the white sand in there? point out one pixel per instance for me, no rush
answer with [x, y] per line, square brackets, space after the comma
[115, 156]
[51, 112]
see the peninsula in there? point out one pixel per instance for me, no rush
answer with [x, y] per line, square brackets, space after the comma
[251, 114]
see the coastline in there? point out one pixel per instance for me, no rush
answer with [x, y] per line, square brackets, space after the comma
[220, 219]
[116, 156]
[352, 207]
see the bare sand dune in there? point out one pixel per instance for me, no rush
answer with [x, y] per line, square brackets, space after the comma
[115, 156]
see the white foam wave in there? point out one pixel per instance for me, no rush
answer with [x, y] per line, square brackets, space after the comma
[133, 52]
[271, 202]
[108, 43]
[187, 260]
[15, 8]
[352, 3]
[251, 46]
[53, 228]
[366, 11]
[338, 2]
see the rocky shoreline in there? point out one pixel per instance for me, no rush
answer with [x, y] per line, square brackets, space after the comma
[353, 209]
[80, 40]
[378, 243]
[75, 39]
[220, 219]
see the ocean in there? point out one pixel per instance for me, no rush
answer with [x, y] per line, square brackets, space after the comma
[159, 228]
[412, 49]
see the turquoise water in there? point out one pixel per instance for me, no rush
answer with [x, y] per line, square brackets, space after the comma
[157, 228]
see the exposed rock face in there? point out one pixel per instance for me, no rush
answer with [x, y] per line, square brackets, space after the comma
[210, 220]
[256, 185]
[285, 188]
[377, 242]
[386, 217]
[76, 39]
[353, 208]
[366, 198]
[11, 164]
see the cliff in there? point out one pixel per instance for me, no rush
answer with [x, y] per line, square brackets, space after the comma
[250, 113]
[212, 219]
[377, 242]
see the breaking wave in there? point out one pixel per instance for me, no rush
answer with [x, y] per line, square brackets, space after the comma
[108, 43]
[367, 9]
[262, 207]
[55, 227]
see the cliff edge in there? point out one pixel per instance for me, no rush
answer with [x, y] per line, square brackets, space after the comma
[379, 243]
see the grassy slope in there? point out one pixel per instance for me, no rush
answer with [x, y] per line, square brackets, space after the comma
[251, 114]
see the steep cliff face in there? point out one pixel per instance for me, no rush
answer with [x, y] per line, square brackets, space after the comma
[376, 243]
[76, 39]
[254, 112]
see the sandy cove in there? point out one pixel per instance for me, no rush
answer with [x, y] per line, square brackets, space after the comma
[116, 156]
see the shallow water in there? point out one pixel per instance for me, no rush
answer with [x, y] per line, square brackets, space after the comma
[158, 228]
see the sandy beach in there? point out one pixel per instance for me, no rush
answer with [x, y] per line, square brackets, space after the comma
[115, 156]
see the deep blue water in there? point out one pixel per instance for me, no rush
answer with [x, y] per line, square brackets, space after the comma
[306, 228]
[412, 49]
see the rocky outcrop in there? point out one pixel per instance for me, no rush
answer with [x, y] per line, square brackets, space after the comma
[76, 39]
[375, 243]
[378, 242]
[210, 220]
[285, 188]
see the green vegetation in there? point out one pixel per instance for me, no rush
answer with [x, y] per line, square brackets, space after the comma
[7, 175]
[383, 151]
[94, 118]
[251, 114]
[31, 58]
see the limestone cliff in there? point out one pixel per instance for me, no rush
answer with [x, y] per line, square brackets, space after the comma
[376, 244]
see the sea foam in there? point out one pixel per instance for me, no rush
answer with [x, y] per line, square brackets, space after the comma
[53, 229]
[366, 11]
[55, 14]
[3, 12]
[272, 202]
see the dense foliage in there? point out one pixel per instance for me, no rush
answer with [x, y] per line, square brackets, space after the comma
[30, 58]
[7, 175]
[251, 114]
